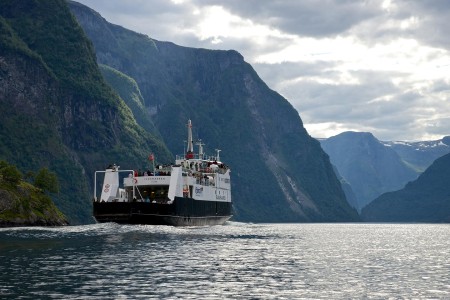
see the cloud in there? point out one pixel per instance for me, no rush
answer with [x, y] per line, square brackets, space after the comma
[160, 19]
[432, 19]
[302, 18]
[378, 66]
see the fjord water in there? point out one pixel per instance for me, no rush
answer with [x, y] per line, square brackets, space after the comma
[237, 260]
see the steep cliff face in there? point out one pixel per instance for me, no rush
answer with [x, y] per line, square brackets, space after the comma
[31, 127]
[426, 199]
[57, 111]
[280, 174]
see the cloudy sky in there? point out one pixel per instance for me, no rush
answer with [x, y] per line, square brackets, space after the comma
[381, 66]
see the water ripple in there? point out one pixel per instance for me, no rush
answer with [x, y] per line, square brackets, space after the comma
[250, 261]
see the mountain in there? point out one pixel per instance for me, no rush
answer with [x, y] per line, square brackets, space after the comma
[367, 165]
[57, 110]
[280, 173]
[420, 155]
[348, 191]
[426, 199]
[127, 88]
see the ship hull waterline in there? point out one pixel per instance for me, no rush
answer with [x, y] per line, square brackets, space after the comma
[182, 212]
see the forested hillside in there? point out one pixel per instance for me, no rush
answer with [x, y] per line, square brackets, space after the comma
[57, 110]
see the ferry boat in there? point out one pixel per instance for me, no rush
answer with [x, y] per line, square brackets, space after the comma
[194, 191]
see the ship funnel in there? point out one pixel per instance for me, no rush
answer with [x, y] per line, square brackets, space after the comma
[110, 184]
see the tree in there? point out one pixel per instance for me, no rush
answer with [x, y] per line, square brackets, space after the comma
[10, 174]
[46, 180]
[3, 164]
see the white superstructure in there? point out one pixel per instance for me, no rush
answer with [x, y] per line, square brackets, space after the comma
[195, 176]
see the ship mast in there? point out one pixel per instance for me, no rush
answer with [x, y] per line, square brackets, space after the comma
[218, 156]
[200, 149]
[190, 145]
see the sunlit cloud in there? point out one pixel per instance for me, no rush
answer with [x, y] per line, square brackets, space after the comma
[216, 24]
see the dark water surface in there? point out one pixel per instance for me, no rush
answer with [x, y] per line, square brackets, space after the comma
[249, 261]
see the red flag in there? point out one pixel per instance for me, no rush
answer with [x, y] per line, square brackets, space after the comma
[151, 157]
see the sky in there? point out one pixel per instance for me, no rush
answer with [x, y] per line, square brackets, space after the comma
[379, 66]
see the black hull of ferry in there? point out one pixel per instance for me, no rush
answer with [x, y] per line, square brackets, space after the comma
[182, 212]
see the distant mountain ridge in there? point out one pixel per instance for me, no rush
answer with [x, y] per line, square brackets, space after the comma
[420, 155]
[280, 174]
[367, 165]
[372, 167]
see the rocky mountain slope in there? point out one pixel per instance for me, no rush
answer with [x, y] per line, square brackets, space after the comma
[426, 199]
[280, 173]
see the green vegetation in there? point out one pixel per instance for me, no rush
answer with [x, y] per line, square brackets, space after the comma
[42, 25]
[10, 174]
[11, 43]
[57, 110]
[127, 88]
[22, 204]
[47, 181]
